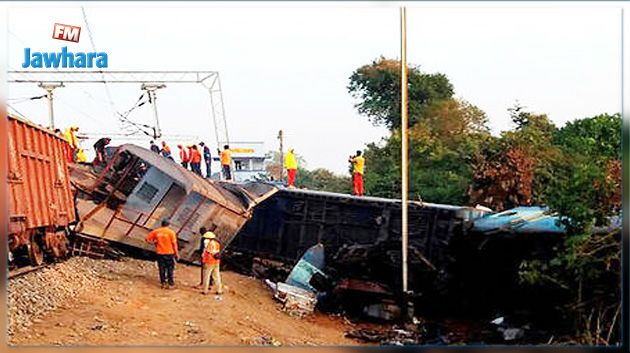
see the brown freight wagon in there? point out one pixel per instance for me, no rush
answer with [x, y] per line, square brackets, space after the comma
[41, 205]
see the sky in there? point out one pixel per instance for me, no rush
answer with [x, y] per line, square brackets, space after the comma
[287, 65]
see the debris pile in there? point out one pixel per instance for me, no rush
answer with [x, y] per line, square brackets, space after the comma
[299, 291]
[395, 336]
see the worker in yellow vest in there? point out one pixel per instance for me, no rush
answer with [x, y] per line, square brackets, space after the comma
[290, 162]
[358, 167]
[81, 157]
[73, 143]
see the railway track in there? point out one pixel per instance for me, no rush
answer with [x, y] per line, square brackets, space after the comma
[26, 269]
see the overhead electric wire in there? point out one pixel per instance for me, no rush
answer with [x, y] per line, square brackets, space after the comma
[124, 118]
[109, 94]
[16, 111]
[25, 99]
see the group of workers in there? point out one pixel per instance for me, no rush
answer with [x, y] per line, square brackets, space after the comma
[165, 241]
[191, 157]
[76, 154]
[358, 168]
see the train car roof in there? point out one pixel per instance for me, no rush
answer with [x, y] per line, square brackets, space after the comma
[230, 195]
[34, 125]
[372, 199]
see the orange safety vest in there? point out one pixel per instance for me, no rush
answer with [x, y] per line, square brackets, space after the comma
[183, 155]
[226, 157]
[195, 156]
[213, 247]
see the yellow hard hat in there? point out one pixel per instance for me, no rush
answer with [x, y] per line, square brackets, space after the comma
[209, 235]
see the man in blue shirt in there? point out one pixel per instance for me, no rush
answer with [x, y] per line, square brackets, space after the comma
[207, 158]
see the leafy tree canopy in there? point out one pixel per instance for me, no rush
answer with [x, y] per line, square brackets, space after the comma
[377, 86]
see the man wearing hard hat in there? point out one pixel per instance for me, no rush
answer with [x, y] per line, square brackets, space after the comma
[211, 261]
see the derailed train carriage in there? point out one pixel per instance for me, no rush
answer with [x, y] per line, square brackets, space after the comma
[361, 238]
[138, 188]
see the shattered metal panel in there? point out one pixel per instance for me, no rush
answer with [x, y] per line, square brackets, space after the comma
[531, 219]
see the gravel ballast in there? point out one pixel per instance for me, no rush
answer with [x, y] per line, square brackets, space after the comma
[34, 294]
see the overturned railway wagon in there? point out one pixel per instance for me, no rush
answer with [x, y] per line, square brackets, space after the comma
[139, 188]
[361, 235]
[41, 205]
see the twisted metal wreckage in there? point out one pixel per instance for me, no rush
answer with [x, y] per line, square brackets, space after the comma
[455, 252]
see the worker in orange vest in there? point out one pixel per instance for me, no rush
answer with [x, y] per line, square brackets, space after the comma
[166, 151]
[184, 158]
[195, 160]
[165, 241]
[358, 167]
[226, 162]
[211, 262]
[73, 143]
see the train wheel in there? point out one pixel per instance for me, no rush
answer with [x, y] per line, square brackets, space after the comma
[36, 250]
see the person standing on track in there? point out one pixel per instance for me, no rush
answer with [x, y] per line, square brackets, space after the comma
[165, 241]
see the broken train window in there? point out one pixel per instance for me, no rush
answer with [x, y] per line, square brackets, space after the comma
[147, 192]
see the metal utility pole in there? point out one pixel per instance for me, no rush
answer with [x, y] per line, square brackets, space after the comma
[50, 87]
[404, 137]
[281, 138]
[151, 88]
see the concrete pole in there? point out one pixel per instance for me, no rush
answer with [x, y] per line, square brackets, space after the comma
[49, 88]
[404, 151]
[281, 138]
[158, 130]
[51, 111]
[151, 88]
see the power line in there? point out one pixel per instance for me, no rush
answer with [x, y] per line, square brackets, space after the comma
[16, 111]
[24, 99]
[109, 94]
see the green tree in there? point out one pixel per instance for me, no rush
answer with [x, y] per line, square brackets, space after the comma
[377, 86]
[597, 137]
[585, 191]
[323, 180]
[440, 147]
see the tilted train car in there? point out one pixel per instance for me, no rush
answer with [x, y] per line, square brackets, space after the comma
[361, 235]
[41, 205]
[139, 188]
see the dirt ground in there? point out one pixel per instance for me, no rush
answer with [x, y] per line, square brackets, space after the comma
[129, 308]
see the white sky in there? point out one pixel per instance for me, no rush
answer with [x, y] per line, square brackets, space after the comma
[286, 66]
